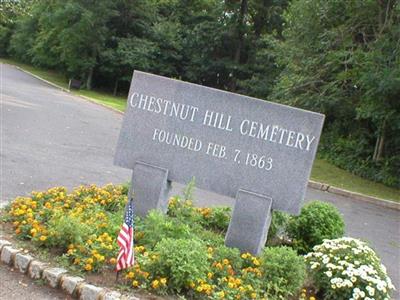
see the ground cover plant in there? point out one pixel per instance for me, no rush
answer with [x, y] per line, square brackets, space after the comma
[347, 268]
[181, 253]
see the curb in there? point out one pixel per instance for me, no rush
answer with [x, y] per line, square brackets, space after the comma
[56, 277]
[44, 80]
[312, 184]
[353, 195]
[69, 91]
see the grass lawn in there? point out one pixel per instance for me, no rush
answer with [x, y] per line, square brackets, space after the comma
[325, 172]
[322, 170]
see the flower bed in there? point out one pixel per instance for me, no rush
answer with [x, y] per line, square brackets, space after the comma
[180, 253]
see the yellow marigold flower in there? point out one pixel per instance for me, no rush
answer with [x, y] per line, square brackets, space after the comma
[130, 275]
[210, 275]
[253, 295]
[113, 261]
[89, 242]
[155, 284]
[231, 285]
[199, 288]
[163, 281]
[43, 238]
[256, 262]
[225, 261]
[192, 285]
[88, 267]
[221, 294]
[219, 266]
[135, 283]
[89, 260]
[312, 298]
[244, 255]
[33, 231]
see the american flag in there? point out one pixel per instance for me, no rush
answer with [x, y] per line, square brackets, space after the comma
[125, 238]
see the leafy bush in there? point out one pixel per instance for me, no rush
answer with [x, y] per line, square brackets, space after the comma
[180, 252]
[183, 210]
[283, 271]
[222, 252]
[278, 228]
[157, 226]
[183, 261]
[347, 268]
[82, 224]
[216, 218]
[316, 222]
[66, 229]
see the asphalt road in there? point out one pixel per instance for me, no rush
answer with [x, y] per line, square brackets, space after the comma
[49, 138]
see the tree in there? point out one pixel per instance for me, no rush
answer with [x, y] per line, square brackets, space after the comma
[341, 58]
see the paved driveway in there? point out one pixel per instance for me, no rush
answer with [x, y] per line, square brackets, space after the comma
[49, 138]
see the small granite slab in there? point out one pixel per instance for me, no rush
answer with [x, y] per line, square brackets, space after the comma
[4, 243]
[90, 292]
[36, 268]
[53, 276]
[8, 255]
[22, 262]
[70, 284]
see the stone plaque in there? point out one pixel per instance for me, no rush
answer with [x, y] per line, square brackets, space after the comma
[228, 142]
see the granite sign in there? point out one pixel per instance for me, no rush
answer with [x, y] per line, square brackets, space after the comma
[257, 151]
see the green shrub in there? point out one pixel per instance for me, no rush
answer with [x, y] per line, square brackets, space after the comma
[278, 227]
[183, 261]
[316, 222]
[347, 268]
[157, 226]
[283, 271]
[231, 254]
[183, 210]
[218, 218]
[65, 229]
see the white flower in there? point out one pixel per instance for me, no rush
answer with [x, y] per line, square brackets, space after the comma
[370, 290]
[328, 273]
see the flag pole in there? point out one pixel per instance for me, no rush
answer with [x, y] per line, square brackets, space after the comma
[117, 276]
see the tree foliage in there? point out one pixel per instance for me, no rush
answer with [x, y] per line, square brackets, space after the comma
[338, 57]
[342, 58]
